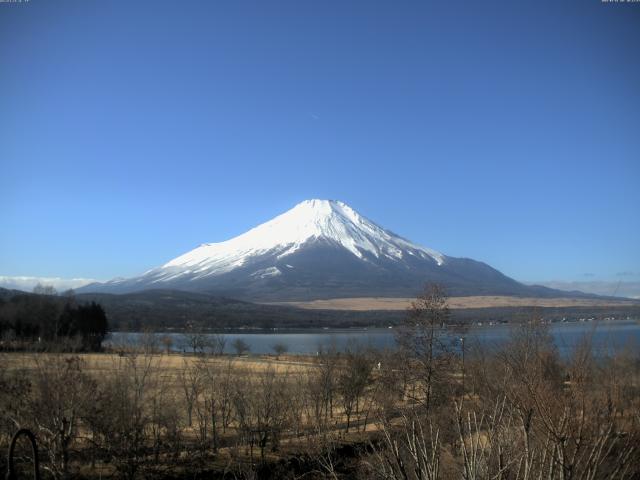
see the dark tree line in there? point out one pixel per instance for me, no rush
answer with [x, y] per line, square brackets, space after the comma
[50, 319]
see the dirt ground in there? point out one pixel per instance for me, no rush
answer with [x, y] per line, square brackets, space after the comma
[379, 303]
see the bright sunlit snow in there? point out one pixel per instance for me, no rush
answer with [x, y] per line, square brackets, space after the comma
[307, 222]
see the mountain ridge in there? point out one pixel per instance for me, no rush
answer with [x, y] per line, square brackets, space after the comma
[320, 249]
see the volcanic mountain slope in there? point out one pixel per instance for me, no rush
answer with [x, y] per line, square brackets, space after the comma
[320, 249]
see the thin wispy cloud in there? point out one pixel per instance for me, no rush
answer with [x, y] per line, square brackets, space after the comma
[27, 283]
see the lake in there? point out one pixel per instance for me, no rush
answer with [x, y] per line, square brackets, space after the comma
[606, 336]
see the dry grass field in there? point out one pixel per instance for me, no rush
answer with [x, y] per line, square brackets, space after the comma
[339, 415]
[379, 303]
[169, 366]
[170, 379]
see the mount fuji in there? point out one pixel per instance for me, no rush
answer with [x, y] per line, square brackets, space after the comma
[320, 249]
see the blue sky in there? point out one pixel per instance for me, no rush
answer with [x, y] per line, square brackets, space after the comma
[508, 132]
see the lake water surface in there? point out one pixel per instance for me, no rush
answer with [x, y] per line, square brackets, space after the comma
[605, 336]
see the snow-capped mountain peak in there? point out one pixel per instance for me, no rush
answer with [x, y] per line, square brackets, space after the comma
[318, 249]
[309, 221]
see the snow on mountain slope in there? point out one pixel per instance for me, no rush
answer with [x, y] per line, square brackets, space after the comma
[284, 235]
[318, 249]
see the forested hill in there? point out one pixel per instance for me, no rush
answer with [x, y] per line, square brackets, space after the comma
[47, 320]
[175, 310]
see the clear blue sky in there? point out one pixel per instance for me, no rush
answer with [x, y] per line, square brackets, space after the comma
[132, 131]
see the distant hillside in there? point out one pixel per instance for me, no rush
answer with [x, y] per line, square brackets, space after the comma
[167, 310]
[6, 294]
[173, 309]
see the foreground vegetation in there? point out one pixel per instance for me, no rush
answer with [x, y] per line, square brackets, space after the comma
[429, 410]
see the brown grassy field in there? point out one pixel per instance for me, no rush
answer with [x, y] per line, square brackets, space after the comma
[380, 303]
[169, 372]
[152, 415]
[173, 364]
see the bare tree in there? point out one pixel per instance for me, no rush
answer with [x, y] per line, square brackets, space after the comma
[540, 417]
[279, 349]
[240, 346]
[167, 342]
[353, 378]
[190, 380]
[218, 343]
[149, 342]
[196, 340]
[164, 419]
[411, 452]
[423, 339]
[60, 393]
[225, 392]
[44, 289]
[120, 416]
[261, 409]
[323, 384]
[214, 403]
